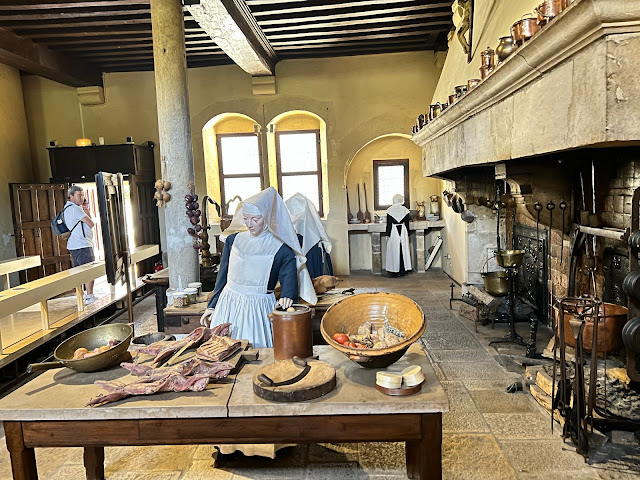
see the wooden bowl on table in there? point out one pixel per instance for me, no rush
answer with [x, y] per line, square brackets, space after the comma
[348, 314]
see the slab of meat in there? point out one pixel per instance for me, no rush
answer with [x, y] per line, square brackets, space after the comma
[217, 349]
[199, 335]
[169, 382]
[193, 366]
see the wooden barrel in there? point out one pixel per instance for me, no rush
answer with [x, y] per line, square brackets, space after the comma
[292, 333]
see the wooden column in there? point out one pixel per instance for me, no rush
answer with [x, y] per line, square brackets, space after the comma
[174, 131]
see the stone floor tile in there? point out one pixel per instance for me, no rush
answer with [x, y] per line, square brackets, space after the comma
[383, 458]
[204, 469]
[341, 471]
[559, 475]
[454, 326]
[616, 461]
[156, 458]
[448, 341]
[145, 475]
[456, 356]
[539, 456]
[472, 370]
[439, 373]
[463, 416]
[332, 453]
[204, 452]
[501, 383]
[492, 401]
[474, 457]
[520, 425]
[294, 473]
[48, 460]
[65, 472]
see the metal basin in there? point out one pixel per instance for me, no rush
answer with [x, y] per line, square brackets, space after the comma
[496, 283]
[509, 258]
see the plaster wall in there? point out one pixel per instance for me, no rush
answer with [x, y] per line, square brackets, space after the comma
[360, 98]
[492, 19]
[15, 158]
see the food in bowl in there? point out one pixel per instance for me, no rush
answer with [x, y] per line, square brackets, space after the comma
[372, 335]
[86, 353]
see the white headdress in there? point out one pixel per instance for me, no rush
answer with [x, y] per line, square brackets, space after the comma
[397, 210]
[277, 221]
[307, 223]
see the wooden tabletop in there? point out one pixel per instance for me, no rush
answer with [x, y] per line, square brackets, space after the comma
[62, 395]
[197, 308]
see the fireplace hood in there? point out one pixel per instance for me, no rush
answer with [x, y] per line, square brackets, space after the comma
[573, 85]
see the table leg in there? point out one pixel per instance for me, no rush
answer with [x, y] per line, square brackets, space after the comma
[376, 253]
[412, 450]
[94, 462]
[23, 459]
[430, 447]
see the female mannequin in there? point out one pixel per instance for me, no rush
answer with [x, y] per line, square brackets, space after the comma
[313, 238]
[398, 253]
[261, 248]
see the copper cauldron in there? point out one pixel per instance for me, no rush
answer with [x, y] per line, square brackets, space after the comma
[524, 28]
[548, 10]
[611, 320]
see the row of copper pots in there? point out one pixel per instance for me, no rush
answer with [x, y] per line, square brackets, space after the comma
[530, 24]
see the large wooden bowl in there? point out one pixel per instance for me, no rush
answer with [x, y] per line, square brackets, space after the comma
[348, 314]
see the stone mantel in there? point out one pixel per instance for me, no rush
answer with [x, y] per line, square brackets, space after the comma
[573, 85]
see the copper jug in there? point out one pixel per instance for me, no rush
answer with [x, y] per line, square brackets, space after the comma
[488, 58]
[292, 334]
[434, 110]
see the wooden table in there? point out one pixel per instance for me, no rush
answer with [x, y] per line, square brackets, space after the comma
[49, 411]
[185, 319]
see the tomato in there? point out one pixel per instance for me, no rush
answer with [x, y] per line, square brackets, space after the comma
[362, 345]
[351, 344]
[341, 338]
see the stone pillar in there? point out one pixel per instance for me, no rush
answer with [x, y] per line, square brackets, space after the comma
[376, 253]
[420, 257]
[174, 131]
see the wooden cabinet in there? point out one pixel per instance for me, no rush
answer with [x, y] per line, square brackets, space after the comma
[77, 164]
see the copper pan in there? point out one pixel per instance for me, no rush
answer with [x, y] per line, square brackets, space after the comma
[525, 28]
[548, 10]
[90, 339]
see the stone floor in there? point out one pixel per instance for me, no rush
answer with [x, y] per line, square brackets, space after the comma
[488, 434]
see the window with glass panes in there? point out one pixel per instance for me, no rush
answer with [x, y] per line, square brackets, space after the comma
[390, 177]
[240, 167]
[299, 165]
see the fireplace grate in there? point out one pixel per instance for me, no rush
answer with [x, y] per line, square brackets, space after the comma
[531, 282]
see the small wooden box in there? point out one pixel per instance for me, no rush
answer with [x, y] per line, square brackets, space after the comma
[184, 319]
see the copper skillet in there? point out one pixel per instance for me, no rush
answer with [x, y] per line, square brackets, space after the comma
[90, 339]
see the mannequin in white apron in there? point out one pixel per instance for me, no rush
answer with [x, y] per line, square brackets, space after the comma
[313, 238]
[398, 253]
[261, 248]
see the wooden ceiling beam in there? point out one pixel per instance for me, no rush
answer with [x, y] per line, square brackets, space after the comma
[358, 21]
[68, 33]
[22, 18]
[373, 36]
[32, 58]
[232, 26]
[369, 28]
[374, 44]
[336, 6]
[380, 14]
[67, 4]
[22, 28]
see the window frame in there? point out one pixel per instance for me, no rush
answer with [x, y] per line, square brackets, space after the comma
[310, 172]
[387, 163]
[221, 174]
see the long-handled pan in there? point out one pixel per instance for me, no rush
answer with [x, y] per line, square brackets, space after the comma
[360, 215]
[90, 339]
[367, 213]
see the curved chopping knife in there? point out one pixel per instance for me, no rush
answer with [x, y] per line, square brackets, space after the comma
[300, 362]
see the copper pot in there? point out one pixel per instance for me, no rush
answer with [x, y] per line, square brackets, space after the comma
[525, 28]
[435, 110]
[496, 283]
[548, 9]
[488, 57]
[485, 71]
[505, 47]
[452, 99]
[473, 83]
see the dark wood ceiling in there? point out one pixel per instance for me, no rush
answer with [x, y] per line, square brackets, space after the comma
[115, 35]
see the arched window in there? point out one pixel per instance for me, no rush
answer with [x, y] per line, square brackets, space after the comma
[297, 156]
[233, 158]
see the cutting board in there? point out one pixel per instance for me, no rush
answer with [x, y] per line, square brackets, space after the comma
[320, 380]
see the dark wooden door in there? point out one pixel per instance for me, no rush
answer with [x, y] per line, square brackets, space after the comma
[145, 216]
[34, 206]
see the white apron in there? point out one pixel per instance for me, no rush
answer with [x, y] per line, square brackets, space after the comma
[398, 242]
[245, 301]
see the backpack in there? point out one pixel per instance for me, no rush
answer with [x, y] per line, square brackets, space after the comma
[59, 227]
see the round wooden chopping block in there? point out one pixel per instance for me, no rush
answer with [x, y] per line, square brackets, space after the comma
[320, 380]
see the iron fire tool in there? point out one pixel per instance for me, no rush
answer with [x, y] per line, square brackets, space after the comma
[538, 208]
[562, 206]
[576, 422]
[550, 206]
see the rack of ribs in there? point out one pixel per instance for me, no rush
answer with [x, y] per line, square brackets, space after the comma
[217, 349]
[162, 351]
